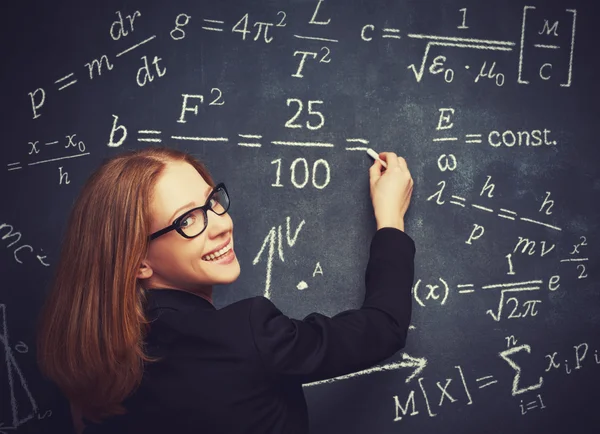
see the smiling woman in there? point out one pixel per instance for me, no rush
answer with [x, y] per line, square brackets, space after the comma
[95, 311]
[182, 236]
[129, 331]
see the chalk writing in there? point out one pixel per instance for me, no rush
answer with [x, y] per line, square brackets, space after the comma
[273, 236]
[18, 389]
[37, 147]
[263, 30]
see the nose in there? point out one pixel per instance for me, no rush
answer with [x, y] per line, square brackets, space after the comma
[217, 224]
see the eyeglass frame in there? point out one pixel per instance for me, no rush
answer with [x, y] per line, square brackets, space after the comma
[204, 208]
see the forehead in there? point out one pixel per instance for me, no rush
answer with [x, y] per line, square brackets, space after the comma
[179, 184]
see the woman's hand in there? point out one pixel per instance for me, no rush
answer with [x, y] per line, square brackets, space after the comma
[391, 190]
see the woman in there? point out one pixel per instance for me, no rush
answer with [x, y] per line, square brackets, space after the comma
[129, 331]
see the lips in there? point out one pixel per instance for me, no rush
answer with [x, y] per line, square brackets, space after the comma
[218, 248]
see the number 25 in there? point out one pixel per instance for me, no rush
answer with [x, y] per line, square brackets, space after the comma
[290, 123]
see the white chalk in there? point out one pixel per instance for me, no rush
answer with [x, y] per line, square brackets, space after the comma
[375, 156]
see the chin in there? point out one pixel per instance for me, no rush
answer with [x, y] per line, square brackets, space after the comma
[232, 274]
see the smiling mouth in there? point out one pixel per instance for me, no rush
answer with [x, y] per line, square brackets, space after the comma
[218, 254]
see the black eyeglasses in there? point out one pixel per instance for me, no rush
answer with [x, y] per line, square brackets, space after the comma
[194, 222]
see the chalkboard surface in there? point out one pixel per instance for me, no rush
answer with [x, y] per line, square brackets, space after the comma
[493, 104]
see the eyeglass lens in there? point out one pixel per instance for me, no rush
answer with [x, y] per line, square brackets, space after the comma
[194, 222]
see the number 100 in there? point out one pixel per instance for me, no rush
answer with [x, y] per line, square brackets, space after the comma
[293, 174]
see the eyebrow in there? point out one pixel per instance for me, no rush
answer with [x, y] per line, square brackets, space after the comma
[189, 205]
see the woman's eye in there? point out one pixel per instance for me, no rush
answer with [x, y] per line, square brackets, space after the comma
[191, 221]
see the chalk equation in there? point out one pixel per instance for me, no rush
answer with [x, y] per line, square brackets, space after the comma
[432, 394]
[507, 138]
[546, 37]
[479, 230]
[518, 299]
[510, 305]
[267, 253]
[542, 54]
[540, 36]
[23, 406]
[74, 148]
[528, 391]
[21, 252]
[299, 173]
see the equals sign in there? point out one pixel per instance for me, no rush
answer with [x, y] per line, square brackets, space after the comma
[250, 144]
[213, 29]
[358, 148]
[151, 136]
[488, 383]
[458, 200]
[391, 33]
[13, 166]
[65, 78]
[465, 291]
[473, 138]
[506, 212]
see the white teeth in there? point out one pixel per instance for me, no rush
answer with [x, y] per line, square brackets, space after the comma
[218, 253]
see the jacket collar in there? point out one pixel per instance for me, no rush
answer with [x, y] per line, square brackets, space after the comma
[175, 299]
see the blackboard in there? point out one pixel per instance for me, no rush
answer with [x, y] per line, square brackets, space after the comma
[493, 104]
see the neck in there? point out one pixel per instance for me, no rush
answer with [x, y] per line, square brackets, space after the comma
[205, 292]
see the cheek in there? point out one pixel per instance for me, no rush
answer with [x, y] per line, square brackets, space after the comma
[192, 252]
[168, 261]
[176, 257]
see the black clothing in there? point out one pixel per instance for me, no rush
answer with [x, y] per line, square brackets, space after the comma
[240, 369]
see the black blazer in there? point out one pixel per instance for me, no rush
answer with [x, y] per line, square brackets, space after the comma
[240, 369]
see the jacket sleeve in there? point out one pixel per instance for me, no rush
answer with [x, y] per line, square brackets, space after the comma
[319, 347]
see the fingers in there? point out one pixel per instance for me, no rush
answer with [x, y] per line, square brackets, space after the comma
[402, 163]
[393, 160]
[375, 172]
[404, 166]
[390, 158]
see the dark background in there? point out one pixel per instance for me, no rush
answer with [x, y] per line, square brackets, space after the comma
[367, 92]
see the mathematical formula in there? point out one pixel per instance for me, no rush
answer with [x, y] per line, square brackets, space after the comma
[544, 36]
[542, 55]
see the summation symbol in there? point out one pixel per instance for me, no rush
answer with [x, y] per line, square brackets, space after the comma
[507, 355]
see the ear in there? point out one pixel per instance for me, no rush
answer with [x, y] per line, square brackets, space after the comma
[145, 271]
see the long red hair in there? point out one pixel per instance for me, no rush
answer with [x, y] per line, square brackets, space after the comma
[90, 333]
